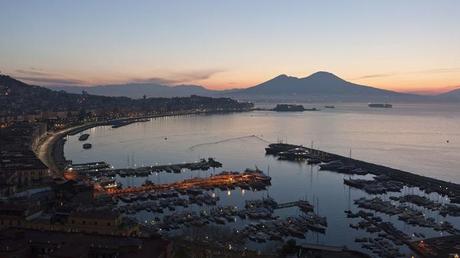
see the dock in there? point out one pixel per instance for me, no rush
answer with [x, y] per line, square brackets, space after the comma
[428, 184]
[303, 205]
[287, 205]
[103, 169]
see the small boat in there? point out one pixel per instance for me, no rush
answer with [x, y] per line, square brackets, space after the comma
[329, 106]
[87, 146]
[83, 137]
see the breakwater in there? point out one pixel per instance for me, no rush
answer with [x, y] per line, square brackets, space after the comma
[348, 165]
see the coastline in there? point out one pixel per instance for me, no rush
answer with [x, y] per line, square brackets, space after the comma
[50, 149]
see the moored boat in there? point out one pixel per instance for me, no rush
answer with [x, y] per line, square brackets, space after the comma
[87, 146]
[83, 137]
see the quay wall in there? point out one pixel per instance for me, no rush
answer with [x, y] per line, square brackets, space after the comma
[428, 184]
[424, 182]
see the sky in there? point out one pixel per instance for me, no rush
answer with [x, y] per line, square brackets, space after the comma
[410, 46]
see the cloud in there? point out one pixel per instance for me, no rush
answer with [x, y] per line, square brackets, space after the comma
[431, 71]
[34, 72]
[40, 77]
[440, 70]
[178, 77]
[153, 80]
[48, 81]
[378, 75]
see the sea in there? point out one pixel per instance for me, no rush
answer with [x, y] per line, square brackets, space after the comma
[418, 138]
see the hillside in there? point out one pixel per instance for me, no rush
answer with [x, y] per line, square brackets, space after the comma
[18, 98]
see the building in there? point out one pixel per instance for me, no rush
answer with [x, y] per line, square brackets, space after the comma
[19, 166]
[101, 221]
[20, 243]
[20, 170]
[18, 214]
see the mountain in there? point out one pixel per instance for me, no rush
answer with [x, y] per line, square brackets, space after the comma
[319, 86]
[451, 95]
[138, 90]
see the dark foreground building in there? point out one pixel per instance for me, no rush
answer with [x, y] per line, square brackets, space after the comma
[20, 243]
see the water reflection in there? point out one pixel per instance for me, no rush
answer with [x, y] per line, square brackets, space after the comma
[403, 139]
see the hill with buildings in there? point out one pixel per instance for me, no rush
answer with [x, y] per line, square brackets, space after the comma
[18, 98]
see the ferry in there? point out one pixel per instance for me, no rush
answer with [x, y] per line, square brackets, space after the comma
[380, 105]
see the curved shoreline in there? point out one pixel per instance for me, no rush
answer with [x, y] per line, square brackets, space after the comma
[51, 154]
[46, 149]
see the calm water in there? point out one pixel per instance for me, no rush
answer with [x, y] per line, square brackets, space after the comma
[423, 139]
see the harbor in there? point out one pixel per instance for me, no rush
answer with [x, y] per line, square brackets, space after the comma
[389, 177]
[255, 221]
[305, 183]
[384, 180]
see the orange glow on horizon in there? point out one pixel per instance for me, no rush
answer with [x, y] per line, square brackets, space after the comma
[429, 84]
[424, 87]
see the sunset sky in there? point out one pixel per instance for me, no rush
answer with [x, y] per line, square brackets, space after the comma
[411, 46]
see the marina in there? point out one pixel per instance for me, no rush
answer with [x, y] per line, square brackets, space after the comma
[160, 201]
[173, 211]
[387, 179]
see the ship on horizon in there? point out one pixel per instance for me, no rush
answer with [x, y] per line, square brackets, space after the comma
[380, 105]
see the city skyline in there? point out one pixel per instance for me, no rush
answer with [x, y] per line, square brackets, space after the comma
[393, 45]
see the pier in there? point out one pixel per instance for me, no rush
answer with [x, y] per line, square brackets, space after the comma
[102, 168]
[303, 205]
[353, 166]
[287, 205]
